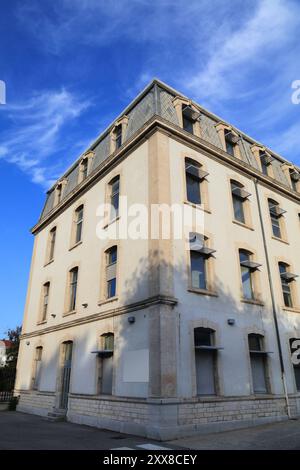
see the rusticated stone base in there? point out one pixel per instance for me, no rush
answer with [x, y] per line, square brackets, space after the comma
[166, 418]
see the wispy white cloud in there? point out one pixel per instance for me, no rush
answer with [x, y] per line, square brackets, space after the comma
[250, 46]
[34, 133]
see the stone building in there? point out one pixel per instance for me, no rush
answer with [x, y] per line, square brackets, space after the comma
[144, 335]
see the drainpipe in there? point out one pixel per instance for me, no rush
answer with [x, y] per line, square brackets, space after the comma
[273, 302]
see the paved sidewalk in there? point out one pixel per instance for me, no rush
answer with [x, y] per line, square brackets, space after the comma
[284, 435]
[20, 431]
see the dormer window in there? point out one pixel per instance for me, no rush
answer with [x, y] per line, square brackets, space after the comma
[58, 193]
[117, 134]
[231, 141]
[265, 161]
[84, 169]
[295, 178]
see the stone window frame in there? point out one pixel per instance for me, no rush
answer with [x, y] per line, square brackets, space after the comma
[293, 286]
[256, 275]
[268, 371]
[41, 319]
[86, 157]
[67, 338]
[123, 122]
[117, 173]
[99, 361]
[103, 282]
[67, 310]
[73, 243]
[289, 336]
[49, 259]
[288, 169]
[210, 270]
[256, 150]
[33, 385]
[246, 203]
[219, 379]
[59, 191]
[221, 128]
[178, 103]
[204, 184]
[270, 198]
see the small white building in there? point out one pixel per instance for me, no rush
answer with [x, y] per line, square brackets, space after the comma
[150, 335]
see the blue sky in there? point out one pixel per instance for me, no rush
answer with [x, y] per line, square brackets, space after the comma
[70, 66]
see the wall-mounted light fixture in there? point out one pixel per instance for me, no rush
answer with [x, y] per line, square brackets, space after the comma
[231, 321]
[131, 320]
[85, 305]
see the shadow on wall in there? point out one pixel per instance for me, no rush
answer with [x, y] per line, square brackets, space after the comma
[167, 323]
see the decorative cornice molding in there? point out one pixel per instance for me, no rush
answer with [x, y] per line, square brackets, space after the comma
[149, 302]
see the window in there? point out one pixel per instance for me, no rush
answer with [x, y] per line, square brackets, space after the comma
[206, 358]
[78, 223]
[247, 269]
[265, 161]
[275, 214]
[258, 359]
[187, 121]
[111, 271]
[46, 290]
[37, 367]
[106, 364]
[294, 345]
[239, 196]
[294, 177]
[193, 176]
[52, 238]
[285, 284]
[231, 141]
[118, 136]
[73, 288]
[114, 187]
[58, 193]
[199, 259]
[84, 169]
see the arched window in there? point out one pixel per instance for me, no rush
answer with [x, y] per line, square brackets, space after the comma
[78, 221]
[45, 301]
[37, 367]
[258, 359]
[111, 256]
[106, 363]
[51, 244]
[286, 278]
[73, 281]
[193, 177]
[114, 196]
[239, 197]
[276, 214]
[199, 258]
[206, 358]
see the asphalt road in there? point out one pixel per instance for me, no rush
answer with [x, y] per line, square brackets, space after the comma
[21, 431]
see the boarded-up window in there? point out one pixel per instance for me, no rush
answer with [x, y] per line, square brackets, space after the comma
[205, 357]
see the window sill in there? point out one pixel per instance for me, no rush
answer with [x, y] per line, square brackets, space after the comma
[49, 262]
[76, 244]
[111, 222]
[241, 224]
[280, 240]
[201, 207]
[253, 302]
[41, 322]
[107, 301]
[194, 290]
[66, 314]
[291, 309]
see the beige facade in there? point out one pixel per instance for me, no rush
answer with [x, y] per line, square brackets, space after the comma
[128, 353]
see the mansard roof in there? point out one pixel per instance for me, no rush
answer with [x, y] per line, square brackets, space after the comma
[157, 99]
